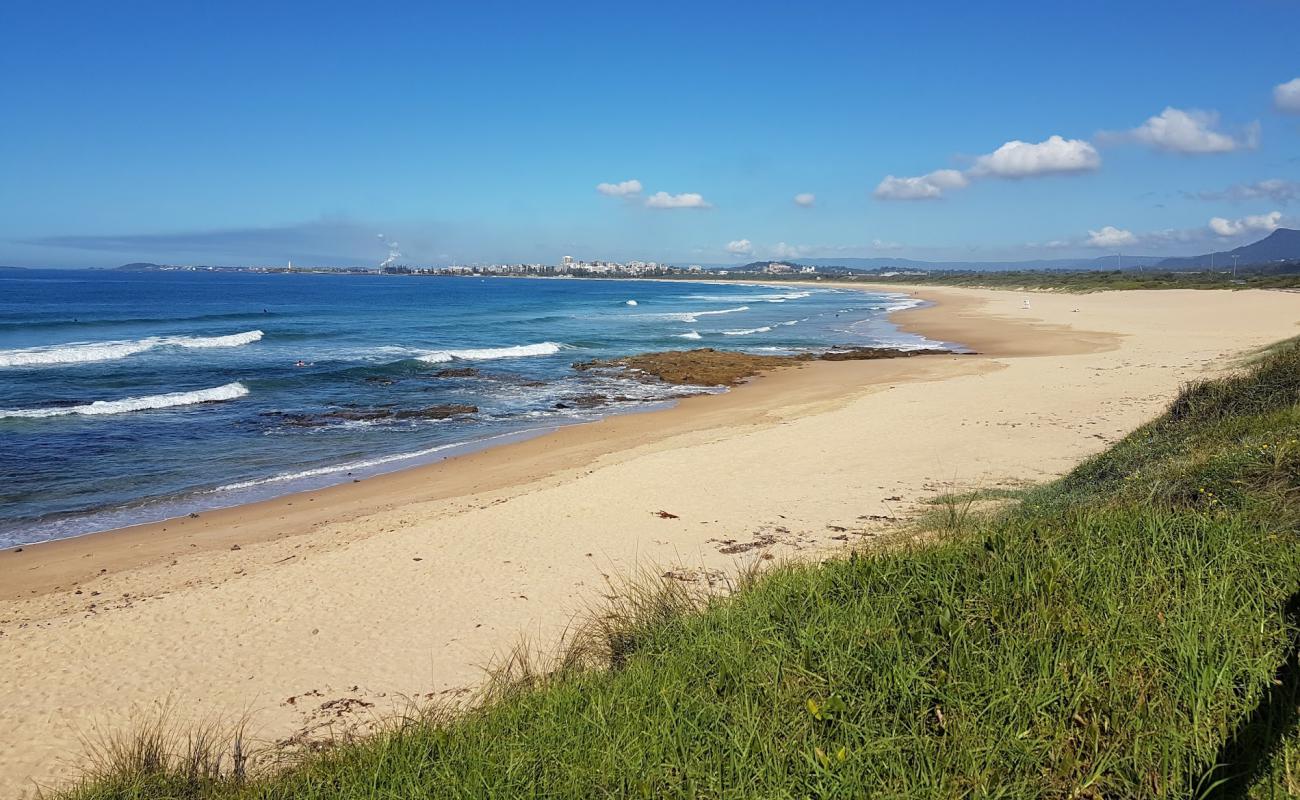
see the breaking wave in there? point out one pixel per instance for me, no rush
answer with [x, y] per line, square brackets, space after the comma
[748, 331]
[689, 335]
[780, 297]
[230, 391]
[518, 351]
[693, 316]
[90, 352]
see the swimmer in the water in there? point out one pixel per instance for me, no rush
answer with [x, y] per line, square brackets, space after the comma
[301, 364]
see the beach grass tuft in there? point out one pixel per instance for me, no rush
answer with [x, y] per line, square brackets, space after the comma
[1127, 631]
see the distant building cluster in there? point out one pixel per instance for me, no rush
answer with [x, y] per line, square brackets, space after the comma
[568, 267]
[782, 268]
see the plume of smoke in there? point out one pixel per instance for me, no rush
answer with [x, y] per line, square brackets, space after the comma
[394, 251]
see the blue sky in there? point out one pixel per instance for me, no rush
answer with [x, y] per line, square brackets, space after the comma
[238, 133]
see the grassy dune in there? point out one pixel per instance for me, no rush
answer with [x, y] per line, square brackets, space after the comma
[1127, 631]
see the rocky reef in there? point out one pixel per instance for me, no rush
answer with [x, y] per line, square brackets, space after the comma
[706, 366]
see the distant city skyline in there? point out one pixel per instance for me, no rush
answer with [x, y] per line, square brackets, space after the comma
[722, 133]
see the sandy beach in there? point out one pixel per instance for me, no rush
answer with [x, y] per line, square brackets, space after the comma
[404, 585]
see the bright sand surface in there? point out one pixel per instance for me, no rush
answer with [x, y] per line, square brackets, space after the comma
[405, 585]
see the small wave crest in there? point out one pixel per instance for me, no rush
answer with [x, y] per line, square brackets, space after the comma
[231, 340]
[230, 391]
[689, 335]
[693, 316]
[748, 331]
[518, 351]
[775, 297]
[90, 352]
[369, 463]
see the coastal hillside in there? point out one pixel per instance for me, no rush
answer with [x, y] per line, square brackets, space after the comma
[1282, 245]
[1126, 631]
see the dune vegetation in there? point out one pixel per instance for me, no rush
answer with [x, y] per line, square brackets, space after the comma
[1129, 630]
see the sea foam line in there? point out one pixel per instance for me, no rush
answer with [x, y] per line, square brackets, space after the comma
[230, 391]
[89, 352]
[692, 316]
[753, 298]
[371, 462]
[748, 331]
[518, 351]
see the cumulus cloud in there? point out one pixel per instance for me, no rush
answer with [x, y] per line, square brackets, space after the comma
[1054, 156]
[805, 199]
[1286, 96]
[621, 189]
[783, 250]
[740, 247]
[1110, 237]
[930, 186]
[683, 200]
[1177, 131]
[1274, 189]
[1013, 160]
[1259, 223]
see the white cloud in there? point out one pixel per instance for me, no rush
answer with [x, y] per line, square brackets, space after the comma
[1260, 223]
[783, 250]
[924, 187]
[740, 247]
[1275, 189]
[805, 199]
[621, 189]
[1013, 160]
[1110, 236]
[1055, 156]
[1286, 96]
[881, 244]
[1178, 131]
[683, 200]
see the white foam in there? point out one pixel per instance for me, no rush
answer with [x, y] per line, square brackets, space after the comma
[748, 331]
[692, 316]
[360, 465]
[90, 352]
[232, 340]
[230, 391]
[689, 335]
[752, 298]
[518, 351]
[631, 302]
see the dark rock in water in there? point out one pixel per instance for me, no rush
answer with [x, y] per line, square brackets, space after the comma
[372, 415]
[592, 400]
[588, 401]
[436, 412]
[296, 420]
[456, 372]
[352, 415]
[872, 353]
[381, 380]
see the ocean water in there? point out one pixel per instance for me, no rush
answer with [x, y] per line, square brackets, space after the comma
[132, 397]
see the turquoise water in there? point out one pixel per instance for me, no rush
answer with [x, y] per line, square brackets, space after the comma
[131, 397]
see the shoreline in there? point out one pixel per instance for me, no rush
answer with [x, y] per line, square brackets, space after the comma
[61, 561]
[400, 587]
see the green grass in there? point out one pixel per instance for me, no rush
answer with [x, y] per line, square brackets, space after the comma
[1127, 631]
